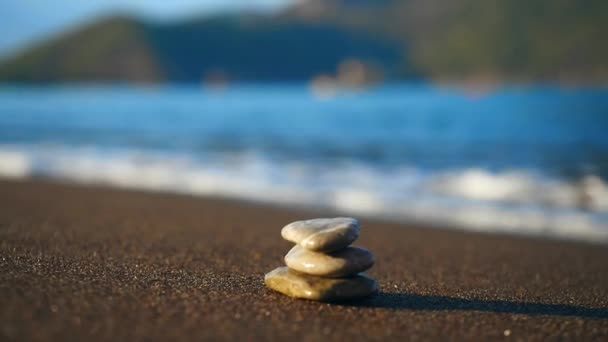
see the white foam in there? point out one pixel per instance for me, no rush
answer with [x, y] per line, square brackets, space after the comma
[517, 186]
[14, 163]
[514, 201]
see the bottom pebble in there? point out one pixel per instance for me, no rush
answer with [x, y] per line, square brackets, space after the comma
[295, 284]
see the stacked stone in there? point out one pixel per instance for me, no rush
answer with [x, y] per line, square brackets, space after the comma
[322, 265]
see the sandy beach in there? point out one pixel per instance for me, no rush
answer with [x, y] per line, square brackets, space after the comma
[92, 263]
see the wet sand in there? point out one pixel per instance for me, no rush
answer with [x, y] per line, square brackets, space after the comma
[90, 263]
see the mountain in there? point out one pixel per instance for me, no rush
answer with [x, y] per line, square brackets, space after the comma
[499, 40]
[541, 40]
[114, 49]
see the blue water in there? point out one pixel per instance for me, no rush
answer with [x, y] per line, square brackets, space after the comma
[523, 159]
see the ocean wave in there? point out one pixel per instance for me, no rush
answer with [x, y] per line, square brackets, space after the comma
[513, 201]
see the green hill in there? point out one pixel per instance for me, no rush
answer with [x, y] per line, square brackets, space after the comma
[115, 49]
[542, 40]
[499, 40]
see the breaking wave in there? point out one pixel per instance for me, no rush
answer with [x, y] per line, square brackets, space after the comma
[514, 201]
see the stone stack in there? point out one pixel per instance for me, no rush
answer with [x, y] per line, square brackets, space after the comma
[322, 265]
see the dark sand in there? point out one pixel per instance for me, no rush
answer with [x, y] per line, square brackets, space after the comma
[88, 263]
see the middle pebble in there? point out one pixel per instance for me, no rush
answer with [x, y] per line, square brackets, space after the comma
[343, 263]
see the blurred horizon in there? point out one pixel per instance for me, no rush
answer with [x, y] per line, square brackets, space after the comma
[328, 43]
[481, 115]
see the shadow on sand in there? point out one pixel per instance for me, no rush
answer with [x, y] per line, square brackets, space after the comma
[401, 301]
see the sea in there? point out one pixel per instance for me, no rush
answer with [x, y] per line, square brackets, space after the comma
[529, 160]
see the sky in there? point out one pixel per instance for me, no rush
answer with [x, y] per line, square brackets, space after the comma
[23, 22]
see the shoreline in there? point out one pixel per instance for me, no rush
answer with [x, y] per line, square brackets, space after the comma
[98, 263]
[444, 218]
[319, 211]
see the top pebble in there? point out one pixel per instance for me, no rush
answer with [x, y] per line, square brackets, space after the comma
[322, 235]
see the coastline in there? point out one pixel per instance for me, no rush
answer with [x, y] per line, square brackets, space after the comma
[91, 262]
[408, 170]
